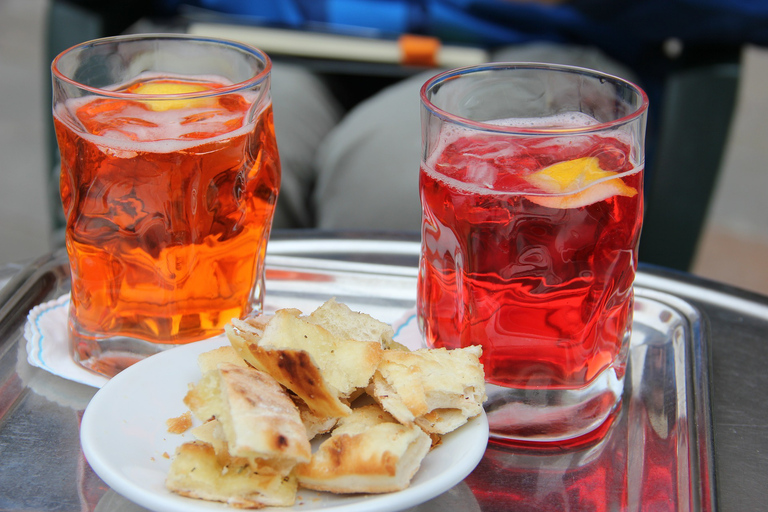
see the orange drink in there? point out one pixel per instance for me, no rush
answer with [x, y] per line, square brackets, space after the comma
[169, 179]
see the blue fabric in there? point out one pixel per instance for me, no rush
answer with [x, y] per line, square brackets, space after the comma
[388, 17]
[284, 12]
[623, 28]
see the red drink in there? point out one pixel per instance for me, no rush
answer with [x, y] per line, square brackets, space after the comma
[168, 206]
[529, 248]
[531, 191]
[546, 290]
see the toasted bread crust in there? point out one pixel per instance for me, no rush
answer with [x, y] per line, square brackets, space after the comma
[197, 472]
[295, 370]
[369, 452]
[258, 418]
[437, 389]
[344, 323]
[326, 371]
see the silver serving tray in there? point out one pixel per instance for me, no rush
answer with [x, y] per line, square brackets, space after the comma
[657, 454]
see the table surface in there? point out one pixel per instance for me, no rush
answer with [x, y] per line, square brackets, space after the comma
[42, 467]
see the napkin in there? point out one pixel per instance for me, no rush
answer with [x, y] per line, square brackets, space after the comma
[48, 341]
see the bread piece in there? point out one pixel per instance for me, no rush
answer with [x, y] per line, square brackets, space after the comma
[258, 322]
[208, 361]
[314, 423]
[242, 332]
[197, 472]
[346, 364]
[369, 452]
[322, 369]
[344, 323]
[437, 389]
[180, 424]
[211, 433]
[258, 419]
[294, 369]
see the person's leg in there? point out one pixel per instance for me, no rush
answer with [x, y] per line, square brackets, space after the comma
[582, 56]
[304, 112]
[368, 166]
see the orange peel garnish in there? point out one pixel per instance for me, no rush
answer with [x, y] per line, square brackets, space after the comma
[161, 88]
[576, 183]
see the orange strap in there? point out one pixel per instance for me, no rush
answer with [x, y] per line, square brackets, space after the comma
[418, 50]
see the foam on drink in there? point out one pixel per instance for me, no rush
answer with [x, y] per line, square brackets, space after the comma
[127, 124]
[481, 175]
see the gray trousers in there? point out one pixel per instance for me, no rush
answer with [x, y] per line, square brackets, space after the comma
[360, 169]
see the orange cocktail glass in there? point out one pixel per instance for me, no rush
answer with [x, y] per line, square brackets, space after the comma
[169, 177]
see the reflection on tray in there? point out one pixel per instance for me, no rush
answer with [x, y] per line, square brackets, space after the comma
[650, 459]
[274, 274]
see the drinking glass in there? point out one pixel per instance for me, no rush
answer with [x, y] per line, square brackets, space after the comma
[169, 177]
[531, 187]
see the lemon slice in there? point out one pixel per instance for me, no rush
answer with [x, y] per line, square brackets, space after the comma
[161, 88]
[578, 182]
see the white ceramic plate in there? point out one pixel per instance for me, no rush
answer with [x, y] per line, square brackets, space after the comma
[125, 440]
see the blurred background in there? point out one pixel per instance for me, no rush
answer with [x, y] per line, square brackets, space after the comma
[732, 247]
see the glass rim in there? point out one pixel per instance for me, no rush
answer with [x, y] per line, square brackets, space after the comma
[227, 89]
[513, 130]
